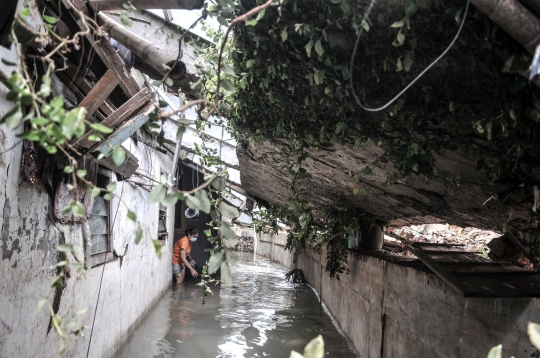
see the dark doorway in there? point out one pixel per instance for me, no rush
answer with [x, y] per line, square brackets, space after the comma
[189, 178]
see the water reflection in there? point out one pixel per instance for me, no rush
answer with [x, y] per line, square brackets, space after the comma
[260, 316]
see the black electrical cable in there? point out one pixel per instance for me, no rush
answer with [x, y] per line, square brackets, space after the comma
[351, 66]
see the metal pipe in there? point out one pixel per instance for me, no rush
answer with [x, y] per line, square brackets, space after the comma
[105, 5]
[514, 18]
[154, 55]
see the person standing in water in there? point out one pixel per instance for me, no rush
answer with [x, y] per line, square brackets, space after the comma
[181, 256]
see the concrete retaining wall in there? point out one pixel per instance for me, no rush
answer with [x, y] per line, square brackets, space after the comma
[393, 311]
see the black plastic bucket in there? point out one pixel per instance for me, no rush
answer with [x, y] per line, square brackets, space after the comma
[372, 237]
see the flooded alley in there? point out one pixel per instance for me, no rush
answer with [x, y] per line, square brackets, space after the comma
[262, 315]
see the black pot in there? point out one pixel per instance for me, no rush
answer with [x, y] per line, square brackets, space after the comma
[371, 237]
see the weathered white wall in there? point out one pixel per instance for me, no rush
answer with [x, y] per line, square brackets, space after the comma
[28, 242]
[393, 311]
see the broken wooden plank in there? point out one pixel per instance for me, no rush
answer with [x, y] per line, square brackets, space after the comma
[126, 130]
[78, 83]
[99, 92]
[487, 263]
[495, 273]
[502, 285]
[104, 5]
[479, 278]
[434, 266]
[419, 244]
[120, 115]
[127, 169]
[106, 53]
[113, 61]
[450, 252]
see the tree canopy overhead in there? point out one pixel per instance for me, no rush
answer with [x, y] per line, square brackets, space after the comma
[293, 86]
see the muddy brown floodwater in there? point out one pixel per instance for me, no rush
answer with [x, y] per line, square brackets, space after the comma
[261, 315]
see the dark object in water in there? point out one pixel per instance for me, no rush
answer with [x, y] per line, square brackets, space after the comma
[295, 276]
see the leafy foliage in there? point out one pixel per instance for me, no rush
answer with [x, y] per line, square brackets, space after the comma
[292, 80]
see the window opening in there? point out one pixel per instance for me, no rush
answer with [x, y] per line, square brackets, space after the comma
[99, 223]
[162, 219]
[162, 224]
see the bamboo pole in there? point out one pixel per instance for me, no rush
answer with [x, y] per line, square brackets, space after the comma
[106, 5]
[514, 18]
[154, 55]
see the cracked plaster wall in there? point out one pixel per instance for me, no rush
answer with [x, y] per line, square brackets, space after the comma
[28, 242]
[391, 311]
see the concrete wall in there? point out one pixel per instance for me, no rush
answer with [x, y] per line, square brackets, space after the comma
[28, 243]
[393, 311]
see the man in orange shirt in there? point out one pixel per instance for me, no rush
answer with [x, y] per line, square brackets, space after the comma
[181, 258]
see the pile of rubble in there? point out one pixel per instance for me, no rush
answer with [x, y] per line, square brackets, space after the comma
[245, 244]
[474, 239]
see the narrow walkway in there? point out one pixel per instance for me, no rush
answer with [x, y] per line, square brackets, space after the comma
[262, 315]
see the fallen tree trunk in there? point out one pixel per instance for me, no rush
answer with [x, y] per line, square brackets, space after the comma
[154, 55]
[105, 5]
[514, 18]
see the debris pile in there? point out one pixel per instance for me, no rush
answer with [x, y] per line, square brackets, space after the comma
[244, 244]
[474, 239]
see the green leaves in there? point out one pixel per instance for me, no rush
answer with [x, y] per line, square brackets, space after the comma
[367, 171]
[226, 231]
[228, 69]
[318, 48]
[158, 248]
[25, 12]
[533, 330]
[49, 19]
[228, 85]
[111, 186]
[319, 77]
[157, 194]
[308, 48]
[39, 306]
[169, 200]
[64, 248]
[495, 352]
[132, 216]
[341, 127]
[75, 208]
[214, 263]
[253, 22]
[226, 273]
[95, 192]
[12, 118]
[138, 235]
[73, 122]
[228, 211]
[284, 35]
[407, 63]
[199, 201]
[101, 128]
[314, 349]
[124, 19]
[118, 156]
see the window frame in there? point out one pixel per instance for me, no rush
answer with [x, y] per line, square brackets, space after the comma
[103, 257]
[163, 212]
